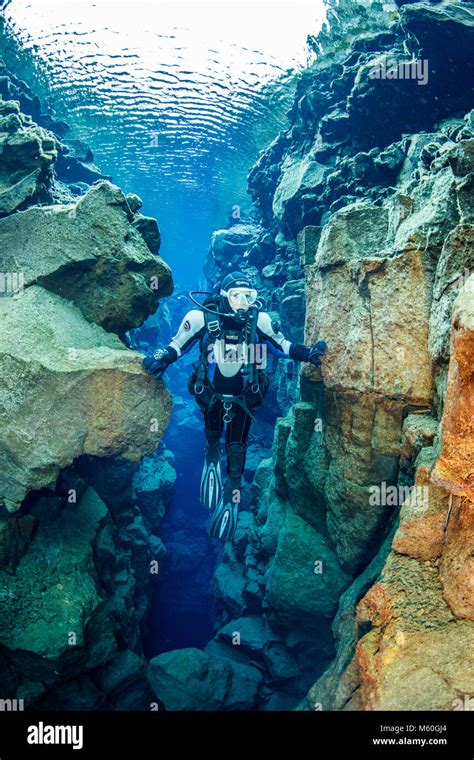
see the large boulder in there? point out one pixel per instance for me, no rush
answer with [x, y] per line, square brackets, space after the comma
[189, 679]
[369, 297]
[228, 247]
[305, 580]
[91, 253]
[70, 389]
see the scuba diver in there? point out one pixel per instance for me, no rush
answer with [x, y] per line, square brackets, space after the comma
[229, 382]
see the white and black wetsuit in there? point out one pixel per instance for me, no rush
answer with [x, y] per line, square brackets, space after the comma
[225, 362]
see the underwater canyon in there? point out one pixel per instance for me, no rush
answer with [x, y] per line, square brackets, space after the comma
[356, 227]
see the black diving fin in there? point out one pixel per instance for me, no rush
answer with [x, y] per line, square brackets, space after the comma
[211, 478]
[225, 515]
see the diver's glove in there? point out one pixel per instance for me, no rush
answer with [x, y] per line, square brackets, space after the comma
[160, 360]
[305, 354]
[316, 352]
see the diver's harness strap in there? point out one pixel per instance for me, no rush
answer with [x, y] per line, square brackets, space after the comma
[227, 401]
[213, 328]
[249, 374]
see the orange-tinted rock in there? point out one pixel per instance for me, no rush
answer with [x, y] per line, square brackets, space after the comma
[423, 515]
[419, 431]
[417, 655]
[422, 538]
[457, 563]
[374, 315]
[455, 466]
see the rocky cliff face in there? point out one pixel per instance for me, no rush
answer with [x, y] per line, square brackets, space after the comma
[77, 414]
[412, 610]
[354, 568]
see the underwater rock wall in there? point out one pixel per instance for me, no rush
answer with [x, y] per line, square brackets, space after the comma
[356, 557]
[384, 419]
[78, 412]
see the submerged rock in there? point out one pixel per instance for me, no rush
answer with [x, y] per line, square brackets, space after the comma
[50, 640]
[421, 532]
[305, 580]
[90, 253]
[74, 161]
[27, 155]
[227, 248]
[73, 655]
[189, 679]
[71, 170]
[153, 487]
[70, 389]
[375, 307]
[339, 687]
[456, 259]
[421, 608]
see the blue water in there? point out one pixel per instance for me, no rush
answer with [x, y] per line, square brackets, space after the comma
[175, 100]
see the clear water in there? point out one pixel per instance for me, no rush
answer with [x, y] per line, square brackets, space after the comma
[175, 98]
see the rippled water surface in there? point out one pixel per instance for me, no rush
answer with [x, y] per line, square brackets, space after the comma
[175, 99]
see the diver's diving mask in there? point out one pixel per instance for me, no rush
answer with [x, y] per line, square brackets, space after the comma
[240, 298]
